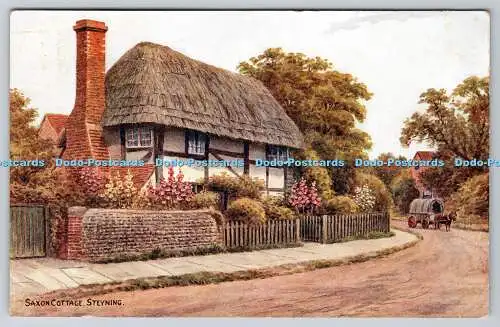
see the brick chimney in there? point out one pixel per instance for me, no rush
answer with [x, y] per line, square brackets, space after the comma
[83, 129]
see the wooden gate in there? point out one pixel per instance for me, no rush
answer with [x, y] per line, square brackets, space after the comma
[28, 225]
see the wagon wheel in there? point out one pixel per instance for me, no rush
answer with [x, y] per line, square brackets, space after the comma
[412, 222]
[425, 223]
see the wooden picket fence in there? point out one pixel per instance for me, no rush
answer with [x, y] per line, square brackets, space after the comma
[333, 228]
[274, 232]
[323, 229]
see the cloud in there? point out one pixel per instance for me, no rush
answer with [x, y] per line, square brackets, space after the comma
[361, 18]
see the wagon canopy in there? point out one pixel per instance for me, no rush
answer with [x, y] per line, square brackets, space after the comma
[427, 206]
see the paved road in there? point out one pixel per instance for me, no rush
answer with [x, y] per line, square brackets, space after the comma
[444, 275]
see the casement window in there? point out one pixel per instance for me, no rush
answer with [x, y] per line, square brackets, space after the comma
[277, 152]
[139, 137]
[195, 142]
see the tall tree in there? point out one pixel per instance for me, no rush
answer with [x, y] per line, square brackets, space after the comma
[387, 173]
[324, 103]
[28, 183]
[404, 191]
[457, 125]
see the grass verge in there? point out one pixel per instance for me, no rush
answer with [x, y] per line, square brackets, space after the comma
[369, 236]
[203, 278]
[472, 227]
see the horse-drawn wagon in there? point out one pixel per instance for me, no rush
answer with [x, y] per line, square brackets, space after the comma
[426, 212]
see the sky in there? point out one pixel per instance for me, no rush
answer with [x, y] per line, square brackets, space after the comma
[398, 55]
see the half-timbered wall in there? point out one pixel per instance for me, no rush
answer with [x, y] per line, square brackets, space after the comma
[170, 144]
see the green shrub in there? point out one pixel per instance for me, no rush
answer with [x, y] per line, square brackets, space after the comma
[274, 200]
[237, 187]
[275, 208]
[279, 213]
[471, 201]
[317, 174]
[339, 204]
[249, 187]
[383, 198]
[223, 182]
[246, 210]
[204, 200]
[404, 191]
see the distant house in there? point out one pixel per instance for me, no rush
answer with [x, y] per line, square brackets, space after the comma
[51, 127]
[155, 102]
[416, 171]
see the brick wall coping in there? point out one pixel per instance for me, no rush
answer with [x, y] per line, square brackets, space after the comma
[77, 211]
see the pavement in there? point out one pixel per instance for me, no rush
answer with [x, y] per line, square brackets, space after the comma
[35, 276]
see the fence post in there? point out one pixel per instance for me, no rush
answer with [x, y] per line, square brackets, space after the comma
[297, 229]
[324, 228]
[47, 236]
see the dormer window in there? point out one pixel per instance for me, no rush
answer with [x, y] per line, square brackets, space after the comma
[279, 153]
[195, 142]
[139, 137]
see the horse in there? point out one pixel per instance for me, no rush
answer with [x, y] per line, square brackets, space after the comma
[452, 216]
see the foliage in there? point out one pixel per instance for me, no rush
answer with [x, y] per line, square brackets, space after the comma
[387, 173]
[457, 125]
[404, 191]
[29, 184]
[344, 178]
[472, 198]
[39, 184]
[237, 187]
[304, 197]
[276, 210]
[223, 182]
[205, 199]
[340, 205]
[92, 182]
[324, 103]
[275, 200]
[446, 180]
[246, 210]
[318, 175]
[383, 199]
[280, 213]
[170, 193]
[364, 198]
[119, 192]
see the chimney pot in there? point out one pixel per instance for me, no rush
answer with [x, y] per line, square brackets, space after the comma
[91, 25]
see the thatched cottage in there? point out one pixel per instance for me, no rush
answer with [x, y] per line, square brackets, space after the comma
[155, 102]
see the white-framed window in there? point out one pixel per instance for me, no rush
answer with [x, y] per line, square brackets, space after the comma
[277, 152]
[196, 142]
[139, 137]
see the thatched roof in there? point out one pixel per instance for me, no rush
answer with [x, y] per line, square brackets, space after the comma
[152, 83]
